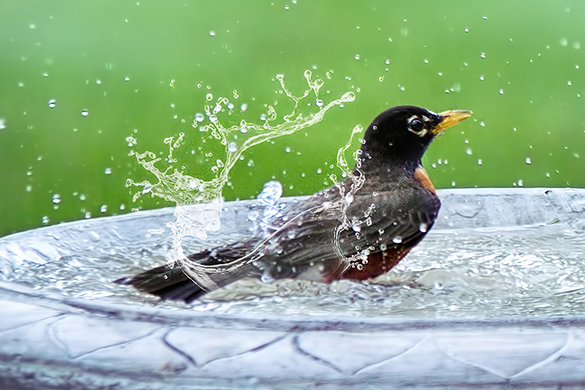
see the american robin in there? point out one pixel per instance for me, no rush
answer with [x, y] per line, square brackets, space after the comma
[356, 229]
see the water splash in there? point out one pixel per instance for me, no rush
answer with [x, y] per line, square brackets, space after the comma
[181, 187]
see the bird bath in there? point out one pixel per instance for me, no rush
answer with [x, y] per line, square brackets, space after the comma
[494, 296]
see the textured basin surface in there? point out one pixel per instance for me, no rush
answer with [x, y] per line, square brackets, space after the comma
[493, 298]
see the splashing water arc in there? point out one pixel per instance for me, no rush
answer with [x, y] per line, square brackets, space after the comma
[183, 189]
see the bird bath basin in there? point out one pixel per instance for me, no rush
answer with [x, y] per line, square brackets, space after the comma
[493, 297]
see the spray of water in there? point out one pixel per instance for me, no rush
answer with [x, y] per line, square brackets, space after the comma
[183, 189]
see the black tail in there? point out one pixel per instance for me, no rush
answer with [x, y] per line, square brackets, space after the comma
[171, 283]
[166, 283]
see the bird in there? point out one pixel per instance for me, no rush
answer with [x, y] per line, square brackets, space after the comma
[357, 229]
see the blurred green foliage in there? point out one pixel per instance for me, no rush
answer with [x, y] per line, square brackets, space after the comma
[135, 66]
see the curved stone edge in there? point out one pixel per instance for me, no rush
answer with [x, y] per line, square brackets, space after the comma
[58, 348]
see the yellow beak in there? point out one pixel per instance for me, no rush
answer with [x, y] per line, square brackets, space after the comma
[450, 118]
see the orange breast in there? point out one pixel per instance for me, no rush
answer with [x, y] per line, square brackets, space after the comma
[423, 178]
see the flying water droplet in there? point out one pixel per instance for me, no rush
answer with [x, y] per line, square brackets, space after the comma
[52, 103]
[397, 240]
[56, 198]
[232, 147]
[271, 192]
[528, 161]
[108, 171]
[84, 113]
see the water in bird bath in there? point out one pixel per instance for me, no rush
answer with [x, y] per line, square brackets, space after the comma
[498, 263]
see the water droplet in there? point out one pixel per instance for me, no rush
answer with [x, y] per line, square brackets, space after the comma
[576, 45]
[287, 149]
[438, 286]
[84, 113]
[212, 33]
[2, 123]
[271, 192]
[82, 197]
[423, 228]
[45, 220]
[501, 91]
[263, 117]
[357, 57]
[108, 171]
[349, 198]
[243, 107]
[319, 103]
[319, 170]
[199, 117]
[104, 208]
[98, 81]
[56, 198]
[563, 41]
[126, 79]
[387, 62]
[479, 161]
[485, 17]
[208, 97]
[28, 188]
[520, 183]
[87, 215]
[52, 103]
[482, 56]
[482, 124]
[397, 240]
[466, 30]
[232, 147]
[381, 78]
[481, 78]
[569, 83]
[528, 161]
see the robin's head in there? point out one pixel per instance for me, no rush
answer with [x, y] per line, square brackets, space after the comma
[403, 133]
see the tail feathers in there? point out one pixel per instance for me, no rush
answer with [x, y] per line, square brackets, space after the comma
[171, 283]
[166, 283]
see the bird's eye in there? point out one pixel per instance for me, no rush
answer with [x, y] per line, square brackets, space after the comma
[416, 125]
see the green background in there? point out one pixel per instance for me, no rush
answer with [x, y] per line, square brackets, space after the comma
[117, 59]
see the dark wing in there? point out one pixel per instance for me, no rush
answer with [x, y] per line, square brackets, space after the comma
[333, 235]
